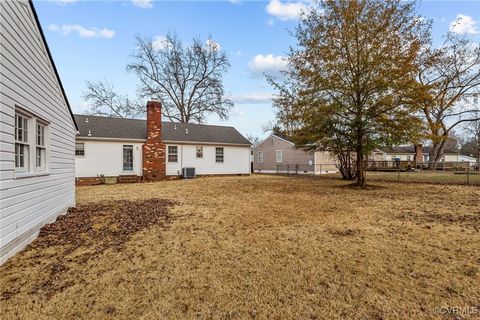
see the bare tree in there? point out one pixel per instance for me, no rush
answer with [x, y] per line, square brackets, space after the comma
[106, 102]
[451, 74]
[471, 146]
[254, 140]
[188, 79]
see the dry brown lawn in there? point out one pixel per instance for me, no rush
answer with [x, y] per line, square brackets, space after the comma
[264, 247]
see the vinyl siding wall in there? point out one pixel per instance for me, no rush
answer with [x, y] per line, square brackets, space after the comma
[325, 163]
[236, 160]
[28, 81]
[411, 157]
[106, 157]
[291, 156]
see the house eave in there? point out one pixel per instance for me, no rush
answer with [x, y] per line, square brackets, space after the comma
[109, 139]
[81, 138]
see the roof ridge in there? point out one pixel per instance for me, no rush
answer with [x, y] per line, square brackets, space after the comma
[119, 118]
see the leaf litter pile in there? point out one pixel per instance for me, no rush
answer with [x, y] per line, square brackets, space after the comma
[86, 232]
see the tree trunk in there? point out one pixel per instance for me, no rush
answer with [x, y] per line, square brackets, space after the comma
[360, 168]
[436, 154]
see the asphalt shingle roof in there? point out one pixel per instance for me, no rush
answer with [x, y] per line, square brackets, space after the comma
[119, 128]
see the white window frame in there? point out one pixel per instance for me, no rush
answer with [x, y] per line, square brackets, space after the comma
[33, 144]
[40, 146]
[173, 154]
[22, 142]
[260, 156]
[279, 156]
[127, 147]
[199, 152]
[217, 155]
[83, 149]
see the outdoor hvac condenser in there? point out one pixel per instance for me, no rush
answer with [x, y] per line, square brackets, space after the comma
[188, 173]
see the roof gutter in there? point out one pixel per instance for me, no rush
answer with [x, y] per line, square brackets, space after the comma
[165, 141]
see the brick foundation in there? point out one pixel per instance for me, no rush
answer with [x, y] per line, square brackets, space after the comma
[153, 151]
[88, 181]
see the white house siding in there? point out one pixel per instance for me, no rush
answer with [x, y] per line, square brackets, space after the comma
[28, 81]
[411, 157]
[106, 157]
[236, 160]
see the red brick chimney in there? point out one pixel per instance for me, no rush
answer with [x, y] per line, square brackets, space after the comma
[418, 155]
[154, 148]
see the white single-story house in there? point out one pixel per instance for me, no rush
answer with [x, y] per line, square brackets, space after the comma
[37, 136]
[419, 153]
[277, 154]
[130, 150]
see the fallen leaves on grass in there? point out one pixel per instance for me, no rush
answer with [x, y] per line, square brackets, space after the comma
[95, 228]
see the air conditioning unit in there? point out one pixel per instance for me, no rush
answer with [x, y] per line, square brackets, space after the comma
[188, 173]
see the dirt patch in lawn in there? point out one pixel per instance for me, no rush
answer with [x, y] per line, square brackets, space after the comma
[83, 234]
[263, 247]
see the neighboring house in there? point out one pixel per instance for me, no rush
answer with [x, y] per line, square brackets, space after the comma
[118, 149]
[407, 153]
[37, 135]
[276, 154]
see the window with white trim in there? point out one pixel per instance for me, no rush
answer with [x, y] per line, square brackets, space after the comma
[31, 143]
[22, 156]
[41, 150]
[219, 156]
[199, 151]
[172, 153]
[79, 149]
[279, 155]
[260, 156]
[127, 158]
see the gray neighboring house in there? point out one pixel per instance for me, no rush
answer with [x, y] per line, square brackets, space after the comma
[37, 135]
[276, 154]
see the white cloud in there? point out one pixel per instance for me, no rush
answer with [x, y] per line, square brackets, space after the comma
[160, 42]
[236, 111]
[268, 64]
[145, 4]
[253, 98]
[285, 10]
[215, 46]
[235, 1]
[82, 31]
[464, 25]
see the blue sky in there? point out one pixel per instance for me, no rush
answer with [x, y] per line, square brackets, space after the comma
[92, 40]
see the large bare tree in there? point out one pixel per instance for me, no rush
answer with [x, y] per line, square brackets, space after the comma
[105, 101]
[351, 81]
[187, 78]
[471, 146]
[452, 75]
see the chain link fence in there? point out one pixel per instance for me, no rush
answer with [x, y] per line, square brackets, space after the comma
[451, 172]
